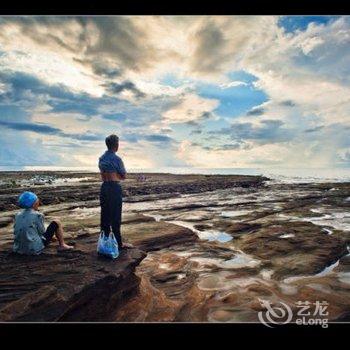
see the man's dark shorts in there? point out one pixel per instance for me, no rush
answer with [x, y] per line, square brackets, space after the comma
[50, 231]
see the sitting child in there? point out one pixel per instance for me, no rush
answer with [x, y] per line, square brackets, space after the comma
[30, 234]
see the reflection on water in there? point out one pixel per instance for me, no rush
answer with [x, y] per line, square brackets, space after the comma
[84, 212]
[344, 277]
[224, 280]
[234, 213]
[210, 235]
[241, 260]
[288, 235]
[331, 217]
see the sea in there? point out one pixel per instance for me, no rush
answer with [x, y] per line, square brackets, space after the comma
[284, 175]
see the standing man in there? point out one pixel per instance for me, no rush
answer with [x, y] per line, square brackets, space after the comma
[112, 171]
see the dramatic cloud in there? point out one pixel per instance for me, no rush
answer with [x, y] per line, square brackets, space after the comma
[212, 91]
[256, 111]
[49, 130]
[269, 131]
[126, 86]
[191, 108]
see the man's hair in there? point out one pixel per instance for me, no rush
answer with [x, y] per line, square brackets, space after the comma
[112, 141]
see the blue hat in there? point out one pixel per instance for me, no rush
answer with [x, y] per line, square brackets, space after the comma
[27, 199]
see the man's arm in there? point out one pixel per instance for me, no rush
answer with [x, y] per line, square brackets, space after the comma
[121, 176]
[121, 170]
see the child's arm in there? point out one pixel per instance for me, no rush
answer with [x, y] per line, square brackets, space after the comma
[40, 224]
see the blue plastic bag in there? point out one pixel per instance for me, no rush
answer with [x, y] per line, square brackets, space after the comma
[108, 246]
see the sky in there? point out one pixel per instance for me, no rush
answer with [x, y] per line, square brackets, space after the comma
[179, 91]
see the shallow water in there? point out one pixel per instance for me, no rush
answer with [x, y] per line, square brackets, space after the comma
[236, 205]
[210, 235]
[235, 271]
[336, 218]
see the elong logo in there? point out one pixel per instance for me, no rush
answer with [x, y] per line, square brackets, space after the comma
[281, 313]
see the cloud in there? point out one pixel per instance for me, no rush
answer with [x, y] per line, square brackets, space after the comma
[256, 111]
[235, 157]
[233, 84]
[38, 128]
[315, 129]
[66, 80]
[49, 130]
[80, 52]
[154, 138]
[196, 132]
[287, 103]
[105, 70]
[210, 42]
[116, 88]
[17, 152]
[191, 108]
[228, 146]
[158, 138]
[266, 132]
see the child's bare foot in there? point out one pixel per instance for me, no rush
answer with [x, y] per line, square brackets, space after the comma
[65, 247]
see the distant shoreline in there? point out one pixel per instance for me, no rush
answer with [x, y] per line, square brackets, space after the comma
[65, 187]
[284, 175]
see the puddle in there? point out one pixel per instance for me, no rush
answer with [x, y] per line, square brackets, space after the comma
[164, 266]
[338, 220]
[327, 270]
[234, 213]
[183, 254]
[319, 287]
[156, 217]
[288, 289]
[344, 277]
[212, 235]
[84, 212]
[327, 230]
[287, 235]
[224, 280]
[335, 219]
[209, 235]
[241, 260]
[266, 274]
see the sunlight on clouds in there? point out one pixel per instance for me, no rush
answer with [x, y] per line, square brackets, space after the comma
[191, 108]
[161, 81]
[67, 122]
[233, 84]
[268, 155]
[262, 155]
[52, 69]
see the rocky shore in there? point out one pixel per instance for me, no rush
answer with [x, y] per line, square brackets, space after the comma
[207, 248]
[78, 285]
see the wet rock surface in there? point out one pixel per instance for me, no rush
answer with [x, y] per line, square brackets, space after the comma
[216, 246]
[61, 187]
[279, 243]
